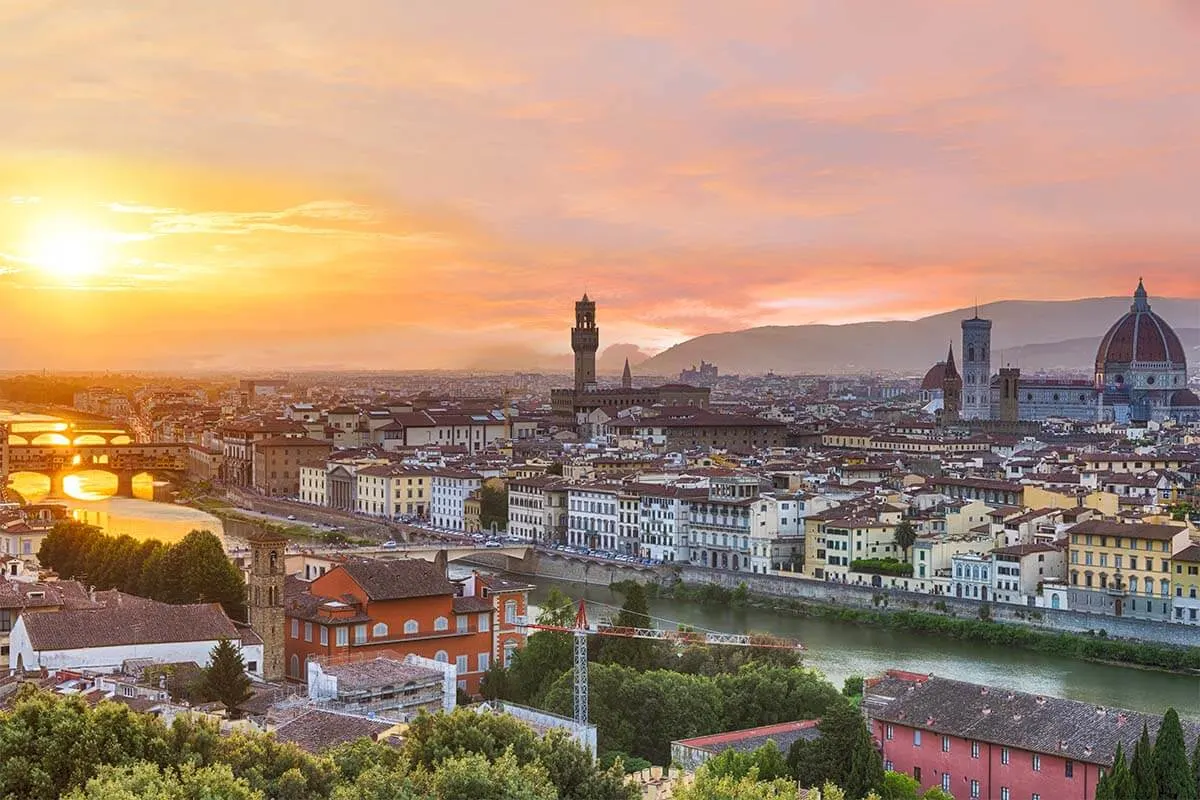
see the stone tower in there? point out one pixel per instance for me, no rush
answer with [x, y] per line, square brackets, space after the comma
[585, 341]
[977, 368]
[952, 387]
[265, 598]
[1010, 400]
[627, 377]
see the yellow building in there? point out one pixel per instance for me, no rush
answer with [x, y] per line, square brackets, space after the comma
[1123, 569]
[1107, 503]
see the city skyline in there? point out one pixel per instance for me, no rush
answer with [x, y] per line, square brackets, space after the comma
[222, 187]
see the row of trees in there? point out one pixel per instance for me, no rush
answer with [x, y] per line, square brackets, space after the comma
[1158, 771]
[193, 570]
[644, 694]
[52, 747]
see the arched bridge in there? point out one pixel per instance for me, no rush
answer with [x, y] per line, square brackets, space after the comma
[76, 433]
[125, 461]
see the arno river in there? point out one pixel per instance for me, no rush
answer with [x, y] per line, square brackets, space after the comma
[840, 649]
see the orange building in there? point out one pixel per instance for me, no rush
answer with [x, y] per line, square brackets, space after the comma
[510, 602]
[364, 606]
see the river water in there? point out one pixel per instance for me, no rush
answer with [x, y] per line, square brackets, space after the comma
[839, 650]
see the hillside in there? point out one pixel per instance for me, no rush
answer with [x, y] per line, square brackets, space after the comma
[1027, 333]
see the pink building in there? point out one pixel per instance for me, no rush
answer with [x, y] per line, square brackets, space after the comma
[983, 742]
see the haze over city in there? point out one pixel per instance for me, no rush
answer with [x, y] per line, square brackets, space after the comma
[234, 185]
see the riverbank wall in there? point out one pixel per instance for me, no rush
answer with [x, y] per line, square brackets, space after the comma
[553, 566]
[559, 567]
[886, 600]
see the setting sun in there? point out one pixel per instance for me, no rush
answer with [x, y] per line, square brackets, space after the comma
[67, 249]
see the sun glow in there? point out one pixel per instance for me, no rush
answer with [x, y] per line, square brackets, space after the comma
[68, 249]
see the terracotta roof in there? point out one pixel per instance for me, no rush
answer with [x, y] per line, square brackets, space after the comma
[1136, 530]
[784, 734]
[1051, 725]
[128, 623]
[318, 730]
[395, 579]
[468, 605]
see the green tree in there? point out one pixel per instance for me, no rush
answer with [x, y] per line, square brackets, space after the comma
[852, 686]
[1176, 780]
[1196, 765]
[545, 656]
[712, 786]
[768, 763]
[225, 676]
[145, 781]
[1145, 779]
[473, 777]
[936, 793]
[197, 570]
[1117, 783]
[898, 786]
[843, 754]
[493, 507]
[640, 654]
[865, 773]
[435, 738]
[905, 536]
[50, 745]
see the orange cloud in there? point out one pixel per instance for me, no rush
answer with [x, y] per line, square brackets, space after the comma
[423, 187]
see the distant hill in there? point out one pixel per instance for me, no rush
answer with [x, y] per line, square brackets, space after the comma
[1031, 334]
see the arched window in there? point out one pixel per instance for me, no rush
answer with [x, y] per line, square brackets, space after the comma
[379, 631]
[1149, 586]
[295, 666]
[971, 353]
[441, 656]
[411, 626]
[1054, 602]
[1164, 588]
[441, 624]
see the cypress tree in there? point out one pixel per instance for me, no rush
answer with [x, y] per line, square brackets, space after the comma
[1145, 779]
[1172, 771]
[1196, 765]
[225, 677]
[1119, 780]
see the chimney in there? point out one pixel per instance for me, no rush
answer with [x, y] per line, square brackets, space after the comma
[1041, 701]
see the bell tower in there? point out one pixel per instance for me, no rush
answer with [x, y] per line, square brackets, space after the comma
[264, 588]
[952, 387]
[585, 341]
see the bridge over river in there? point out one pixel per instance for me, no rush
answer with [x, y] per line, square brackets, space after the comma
[125, 461]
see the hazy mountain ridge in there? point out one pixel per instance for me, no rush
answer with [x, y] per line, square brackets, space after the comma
[1032, 334]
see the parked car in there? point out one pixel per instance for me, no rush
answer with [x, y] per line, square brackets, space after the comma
[390, 543]
[492, 543]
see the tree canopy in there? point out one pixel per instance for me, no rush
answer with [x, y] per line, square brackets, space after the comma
[193, 570]
[52, 747]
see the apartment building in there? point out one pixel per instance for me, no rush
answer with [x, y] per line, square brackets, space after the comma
[537, 509]
[1123, 569]
[1186, 601]
[449, 490]
[592, 516]
[368, 607]
[984, 742]
[277, 463]
[391, 490]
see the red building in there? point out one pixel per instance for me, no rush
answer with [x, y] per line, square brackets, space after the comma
[509, 601]
[983, 742]
[365, 607]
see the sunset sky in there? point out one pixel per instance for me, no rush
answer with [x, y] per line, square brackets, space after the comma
[401, 185]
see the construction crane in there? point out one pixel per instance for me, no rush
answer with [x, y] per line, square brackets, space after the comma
[583, 628]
